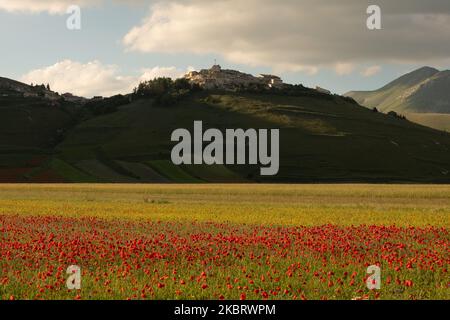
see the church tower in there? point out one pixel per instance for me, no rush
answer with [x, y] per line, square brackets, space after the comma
[216, 68]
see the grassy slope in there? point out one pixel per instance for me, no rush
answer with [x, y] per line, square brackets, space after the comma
[438, 121]
[384, 100]
[172, 172]
[65, 171]
[29, 124]
[422, 91]
[29, 129]
[322, 139]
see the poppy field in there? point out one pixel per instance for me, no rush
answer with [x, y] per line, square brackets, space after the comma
[226, 242]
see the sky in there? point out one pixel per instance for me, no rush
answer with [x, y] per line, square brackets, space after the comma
[311, 42]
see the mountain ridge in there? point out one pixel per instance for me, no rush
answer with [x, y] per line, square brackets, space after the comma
[425, 90]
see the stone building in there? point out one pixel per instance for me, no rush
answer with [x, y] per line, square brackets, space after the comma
[322, 90]
[218, 78]
[272, 81]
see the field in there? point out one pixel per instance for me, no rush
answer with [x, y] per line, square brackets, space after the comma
[224, 241]
[438, 121]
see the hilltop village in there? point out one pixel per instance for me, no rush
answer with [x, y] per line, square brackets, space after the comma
[15, 89]
[232, 80]
[218, 78]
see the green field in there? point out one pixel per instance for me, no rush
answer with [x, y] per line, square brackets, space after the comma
[215, 242]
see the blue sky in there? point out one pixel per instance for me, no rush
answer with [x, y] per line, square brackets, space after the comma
[120, 44]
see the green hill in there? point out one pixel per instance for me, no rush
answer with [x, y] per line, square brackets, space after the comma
[438, 121]
[323, 138]
[402, 95]
[424, 91]
[33, 120]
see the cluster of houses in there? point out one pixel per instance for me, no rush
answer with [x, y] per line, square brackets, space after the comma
[232, 80]
[11, 88]
[322, 90]
[218, 78]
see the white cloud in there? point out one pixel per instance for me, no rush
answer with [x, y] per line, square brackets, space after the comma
[343, 69]
[168, 72]
[371, 71]
[296, 35]
[89, 79]
[94, 78]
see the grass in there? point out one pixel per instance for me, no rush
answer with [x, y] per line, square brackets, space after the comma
[29, 123]
[438, 121]
[172, 172]
[323, 138]
[308, 205]
[69, 172]
[213, 173]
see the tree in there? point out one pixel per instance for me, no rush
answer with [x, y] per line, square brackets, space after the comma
[182, 84]
[164, 91]
[48, 86]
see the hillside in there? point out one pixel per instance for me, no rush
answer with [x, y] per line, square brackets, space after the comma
[438, 121]
[323, 138]
[424, 91]
[33, 120]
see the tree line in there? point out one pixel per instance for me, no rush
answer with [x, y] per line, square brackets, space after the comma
[165, 91]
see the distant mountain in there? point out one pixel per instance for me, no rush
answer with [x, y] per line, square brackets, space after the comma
[426, 90]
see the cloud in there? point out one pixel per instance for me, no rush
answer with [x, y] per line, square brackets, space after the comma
[371, 71]
[94, 78]
[296, 35]
[168, 72]
[89, 79]
[343, 69]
